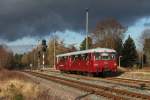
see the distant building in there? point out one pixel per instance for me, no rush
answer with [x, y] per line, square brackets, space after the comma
[147, 51]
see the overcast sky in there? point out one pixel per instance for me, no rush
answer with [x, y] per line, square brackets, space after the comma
[20, 19]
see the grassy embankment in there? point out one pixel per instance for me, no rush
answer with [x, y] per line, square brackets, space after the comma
[16, 86]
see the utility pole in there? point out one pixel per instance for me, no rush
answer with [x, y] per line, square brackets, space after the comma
[54, 50]
[87, 10]
[32, 55]
[119, 60]
[38, 54]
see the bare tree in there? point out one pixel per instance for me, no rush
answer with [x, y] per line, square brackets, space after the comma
[145, 42]
[60, 48]
[6, 57]
[145, 35]
[108, 33]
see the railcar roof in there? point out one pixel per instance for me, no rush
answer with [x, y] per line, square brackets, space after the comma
[87, 51]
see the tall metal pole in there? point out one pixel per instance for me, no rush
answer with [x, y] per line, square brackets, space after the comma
[38, 54]
[87, 10]
[54, 51]
[33, 55]
[119, 60]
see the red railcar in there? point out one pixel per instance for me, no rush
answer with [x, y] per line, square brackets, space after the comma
[91, 61]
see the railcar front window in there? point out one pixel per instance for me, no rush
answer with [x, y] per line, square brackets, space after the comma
[106, 57]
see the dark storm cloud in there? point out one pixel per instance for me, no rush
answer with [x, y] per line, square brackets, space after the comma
[19, 18]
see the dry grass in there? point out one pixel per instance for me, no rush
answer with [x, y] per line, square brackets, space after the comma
[16, 86]
[13, 89]
[7, 75]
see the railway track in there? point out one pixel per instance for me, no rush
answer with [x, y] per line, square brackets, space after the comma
[111, 93]
[143, 84]
[129, 80]
[138, 84]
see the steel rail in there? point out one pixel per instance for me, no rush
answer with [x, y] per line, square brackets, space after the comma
[116, 94]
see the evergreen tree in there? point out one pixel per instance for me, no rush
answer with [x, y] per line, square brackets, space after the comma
[129, 53]
[17, 61]
[119, 47]
[83, 44]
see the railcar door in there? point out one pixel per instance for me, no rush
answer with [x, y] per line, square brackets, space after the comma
[66, 63]
[89, 62]
[78, 62]
[69, 63]
[83, 62]
[73, 62]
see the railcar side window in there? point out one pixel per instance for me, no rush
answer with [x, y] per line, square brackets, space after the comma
[65, 58]
[106, 56]
[88, 57]
[97, 56]
[83, 56]
[113, 56]
[76, 57]
[79, 57]
[73, 58]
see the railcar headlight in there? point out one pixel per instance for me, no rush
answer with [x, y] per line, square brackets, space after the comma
[115, 64]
